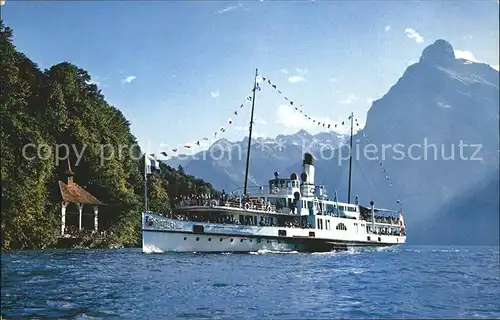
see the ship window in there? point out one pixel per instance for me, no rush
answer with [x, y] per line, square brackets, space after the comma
[312, 234]
[330, 208]
[378, 238]
[232, 240]
[282, 233]
[278, 202]
[259, 240]
[368, 238]
[197, 238]
[198, 228]
[220, 239]
[185, 238]
[241, 240]
[341, 226]
[209, 239]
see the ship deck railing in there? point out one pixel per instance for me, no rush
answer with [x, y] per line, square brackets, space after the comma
[285, 225]
[253, 205]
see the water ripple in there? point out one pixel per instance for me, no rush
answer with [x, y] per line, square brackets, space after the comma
[405, 282]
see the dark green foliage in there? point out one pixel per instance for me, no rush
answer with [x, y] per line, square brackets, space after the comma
[60, 106]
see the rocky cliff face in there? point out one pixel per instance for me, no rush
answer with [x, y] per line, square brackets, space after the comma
[443, 117]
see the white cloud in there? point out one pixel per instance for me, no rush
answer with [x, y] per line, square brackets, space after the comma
[349, 100]
[369, 100]
[255, 134]
[215, 94]
[293, 121]
[468, 37]
[412, 34]
[260, 121]
[285, 71]
[301, 71]
[290, 118]
[334, 80]
[229, 8]
[296, 79]
[387, 28]
[129, 79]
[467, 55]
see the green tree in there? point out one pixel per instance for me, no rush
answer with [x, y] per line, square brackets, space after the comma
[61, 106]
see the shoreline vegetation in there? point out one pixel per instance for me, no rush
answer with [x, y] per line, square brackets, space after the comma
[61, 105]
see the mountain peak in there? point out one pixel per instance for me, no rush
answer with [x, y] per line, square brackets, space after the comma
[302, 133]
[439, 53]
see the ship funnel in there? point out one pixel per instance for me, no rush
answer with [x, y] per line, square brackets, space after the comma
[308, 168]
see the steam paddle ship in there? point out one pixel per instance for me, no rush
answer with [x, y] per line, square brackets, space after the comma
[287, 215]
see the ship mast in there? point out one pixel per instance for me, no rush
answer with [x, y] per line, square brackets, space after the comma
[351, 117]
[250, 133]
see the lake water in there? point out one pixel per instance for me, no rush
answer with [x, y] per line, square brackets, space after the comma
[397, 282]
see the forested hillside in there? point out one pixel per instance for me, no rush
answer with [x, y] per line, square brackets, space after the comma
[60, 106]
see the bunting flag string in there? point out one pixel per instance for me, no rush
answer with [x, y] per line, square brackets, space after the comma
[300, 109]
[382, 167]
[188, 145]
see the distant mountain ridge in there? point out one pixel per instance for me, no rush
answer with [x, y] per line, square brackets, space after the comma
[224, 161]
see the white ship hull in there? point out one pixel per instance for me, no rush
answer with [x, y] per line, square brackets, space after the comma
[160, 234]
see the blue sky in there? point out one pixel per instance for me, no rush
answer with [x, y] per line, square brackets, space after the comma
[179, 70]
